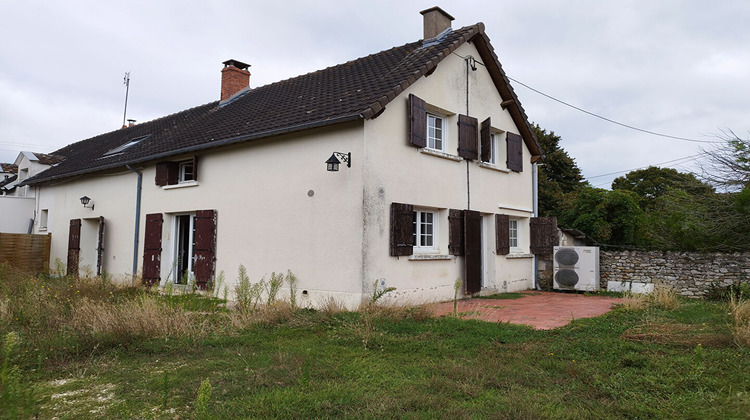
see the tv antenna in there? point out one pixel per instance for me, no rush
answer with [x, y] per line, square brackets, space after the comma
[126, 82]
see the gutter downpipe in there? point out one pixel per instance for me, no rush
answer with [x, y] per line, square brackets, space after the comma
[137, 218]
[535, 193]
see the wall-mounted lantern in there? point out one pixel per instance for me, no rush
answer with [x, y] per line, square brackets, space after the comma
[333, 162]
[85, 201]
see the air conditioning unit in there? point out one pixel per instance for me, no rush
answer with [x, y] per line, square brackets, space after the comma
[576, 268]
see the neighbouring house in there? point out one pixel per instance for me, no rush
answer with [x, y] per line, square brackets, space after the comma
[408, 168]
[8, 176]
[17, 201]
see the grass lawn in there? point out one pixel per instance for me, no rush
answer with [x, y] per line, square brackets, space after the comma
[376, 363]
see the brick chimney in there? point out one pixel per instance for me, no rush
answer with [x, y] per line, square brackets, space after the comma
[436, 20]
[234, 78]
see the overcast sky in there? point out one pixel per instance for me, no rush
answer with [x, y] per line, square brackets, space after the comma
[680, 68]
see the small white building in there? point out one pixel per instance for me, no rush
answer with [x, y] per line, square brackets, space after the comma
[435, 180]
[17, 201]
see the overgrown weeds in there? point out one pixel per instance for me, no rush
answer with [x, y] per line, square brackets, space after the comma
[663, 297]
[17, 399]
[740, 326]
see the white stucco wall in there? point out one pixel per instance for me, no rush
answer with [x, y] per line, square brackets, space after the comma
[278, 209]
[397, 172]
[16, 213]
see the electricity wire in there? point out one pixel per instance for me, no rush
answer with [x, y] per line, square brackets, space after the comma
[611, 120]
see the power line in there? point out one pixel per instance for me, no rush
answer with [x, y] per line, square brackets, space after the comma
[685, 159]
[678, 161]
[611, 120]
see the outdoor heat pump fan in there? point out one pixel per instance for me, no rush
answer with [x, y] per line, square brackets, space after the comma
[576, 268]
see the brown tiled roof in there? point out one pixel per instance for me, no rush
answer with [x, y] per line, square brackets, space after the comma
[358, 89]
[8, 168]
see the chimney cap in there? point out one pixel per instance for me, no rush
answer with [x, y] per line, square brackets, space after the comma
[436, 22]
[235, 63]
[437, 9]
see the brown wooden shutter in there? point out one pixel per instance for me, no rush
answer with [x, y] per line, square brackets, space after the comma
[515, 152]
[543, 235]
[417, 122]
[402, 229]
[204, 248]
[473, 250]
[195, 168]
[152, 249]
[455, 232]
[167, 173]
[502, 234]
[74, 247]
[100, 247]
[485, 135]
[467, 137]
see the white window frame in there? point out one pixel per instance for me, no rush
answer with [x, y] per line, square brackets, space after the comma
[514, 235]
[418, 233]
[493, 148]
[431, 134]
[182, 172]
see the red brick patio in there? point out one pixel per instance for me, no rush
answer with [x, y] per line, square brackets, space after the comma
[541, 310]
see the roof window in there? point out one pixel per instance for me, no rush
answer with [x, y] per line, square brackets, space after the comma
[119, 149]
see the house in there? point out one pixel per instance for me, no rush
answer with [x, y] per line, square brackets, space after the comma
[408, 168]
[8, 174]
[16, 201]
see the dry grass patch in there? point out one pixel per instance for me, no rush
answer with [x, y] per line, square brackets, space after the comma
[740, 310]
[142, 318]
[664, 297]
[682, 335]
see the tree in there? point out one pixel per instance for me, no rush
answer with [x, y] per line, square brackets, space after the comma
[609, 217]
[559, 176]
[728, 165]
[651, 183]
[715, 222]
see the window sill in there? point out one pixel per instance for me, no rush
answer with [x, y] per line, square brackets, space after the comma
[181, 185]
[441, 154]
[519, 255]
[493, 167]
[429, 257]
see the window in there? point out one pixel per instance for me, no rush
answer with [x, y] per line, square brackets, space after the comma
[186, 171]
[424, 233]
[493, 149]
[172, 173]
[513, 234]
[435, 132]
[120, 149]
[43, 216]
[413, 230]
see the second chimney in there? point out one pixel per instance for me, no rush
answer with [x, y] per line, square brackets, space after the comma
[234, 78]
[436, 21]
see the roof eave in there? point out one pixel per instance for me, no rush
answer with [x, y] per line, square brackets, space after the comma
[502, 83]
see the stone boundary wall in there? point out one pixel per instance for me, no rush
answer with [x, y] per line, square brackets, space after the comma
[689, 273]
